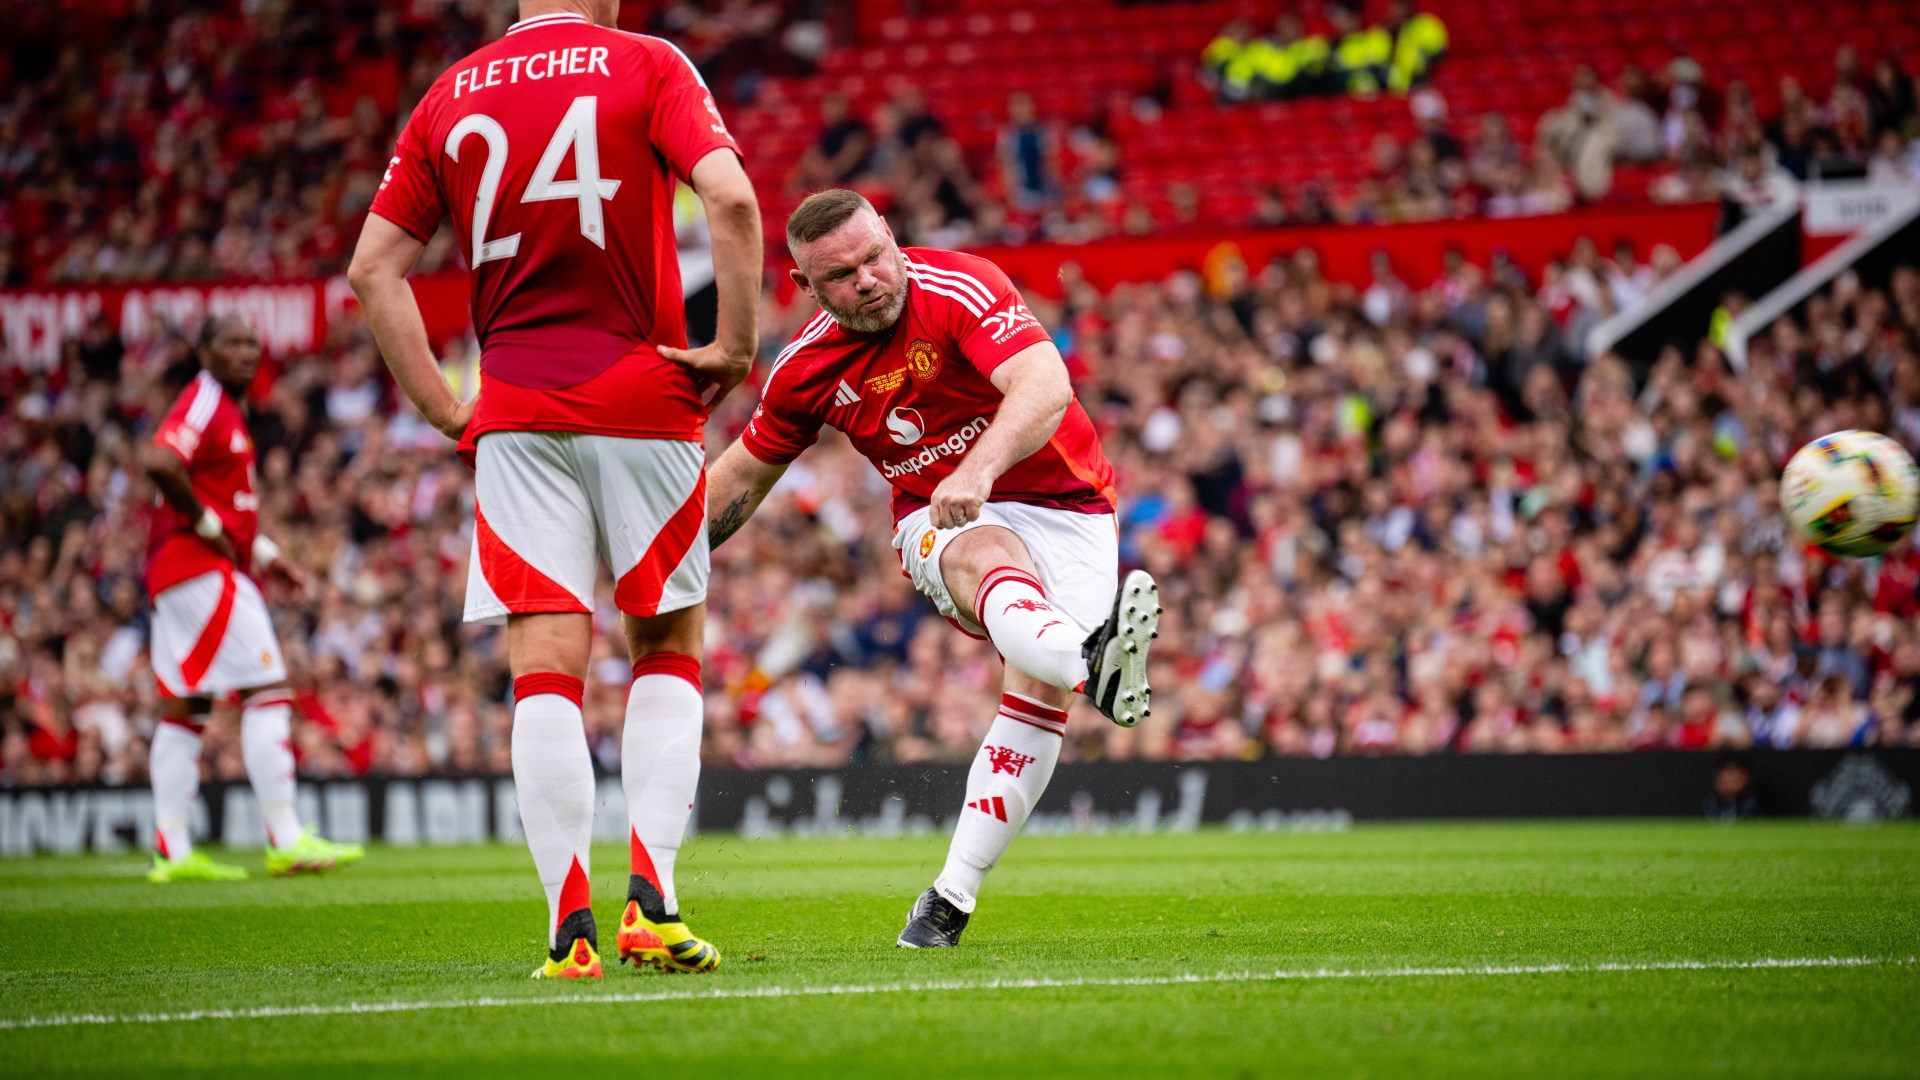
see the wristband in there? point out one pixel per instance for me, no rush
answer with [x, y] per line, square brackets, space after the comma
[265, 551]
[209, 526]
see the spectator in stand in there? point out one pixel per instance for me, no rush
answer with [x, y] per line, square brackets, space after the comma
[1636, 124]
[1027, 152]
[840, 154]
[1693, 181]
[1495, 150]
[1628, 280]
[1688, 94]
[1893, 164]
[1890, 100]
[1583, 134]
[1756, 184]
[1430, 125]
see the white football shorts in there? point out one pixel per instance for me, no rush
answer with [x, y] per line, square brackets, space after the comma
[551, 506]
[1077, 556]
[212, 635]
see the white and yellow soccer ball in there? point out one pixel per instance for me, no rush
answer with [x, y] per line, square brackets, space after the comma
[1854, 493]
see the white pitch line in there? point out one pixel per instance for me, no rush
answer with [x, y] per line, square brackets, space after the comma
[268, 1012]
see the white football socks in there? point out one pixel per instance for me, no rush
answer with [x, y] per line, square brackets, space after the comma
[266, 726]
[1007, 778]
[173, 764]
[1035, 637]
[659, 770]
[553, 782]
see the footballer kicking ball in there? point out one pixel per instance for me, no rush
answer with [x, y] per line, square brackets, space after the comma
[1853, 493]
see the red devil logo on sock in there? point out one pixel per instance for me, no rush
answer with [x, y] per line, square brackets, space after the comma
[1005, 760]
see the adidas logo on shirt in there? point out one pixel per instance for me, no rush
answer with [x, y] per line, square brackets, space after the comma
[845, 395]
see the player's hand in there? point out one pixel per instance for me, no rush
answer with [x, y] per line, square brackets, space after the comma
[454, 424]
[724, 368]
[291, 576]
[958, 499]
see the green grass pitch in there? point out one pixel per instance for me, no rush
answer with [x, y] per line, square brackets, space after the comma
[1332, 954]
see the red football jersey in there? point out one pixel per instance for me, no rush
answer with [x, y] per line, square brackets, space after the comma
[555, 150]
[914, 398]
[206, 429]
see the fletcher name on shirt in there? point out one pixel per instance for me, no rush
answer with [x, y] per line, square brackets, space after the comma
[578, 60]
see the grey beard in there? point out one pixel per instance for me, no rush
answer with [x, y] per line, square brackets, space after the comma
[862, 323]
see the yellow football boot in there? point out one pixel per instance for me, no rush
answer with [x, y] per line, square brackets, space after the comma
[194, 866]
[311, 854]
[579, 961]
[669, 946]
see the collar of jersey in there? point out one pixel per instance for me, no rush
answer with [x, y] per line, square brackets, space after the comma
[552, 19]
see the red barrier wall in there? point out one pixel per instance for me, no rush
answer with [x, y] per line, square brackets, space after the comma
[292, 317]
[1346, 250]
[295, 316]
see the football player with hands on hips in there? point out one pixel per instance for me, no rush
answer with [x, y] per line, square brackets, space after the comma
[212, 635]
[1003, 502]
[555, 151]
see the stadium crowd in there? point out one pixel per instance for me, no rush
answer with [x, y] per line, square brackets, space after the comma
[177, 141]
[1409, 518]
[1390, 520]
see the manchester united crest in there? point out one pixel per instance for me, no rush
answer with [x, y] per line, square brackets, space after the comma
[923, 360]
[926, 544]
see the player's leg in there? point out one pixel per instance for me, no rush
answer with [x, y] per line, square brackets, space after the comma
[174, 769]
[533, 565]
[649, 498]
[1072, 560]
[1006, 572]
[990, 574]
[1006, 780]
[266, 732]
[660, 772]
[1078, 557]
[266, 746]
[553, 778]
[248, 663]
[186, 634]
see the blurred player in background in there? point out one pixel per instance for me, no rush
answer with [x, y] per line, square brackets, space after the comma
[1002, 498]
[212, 636]
[555, 150]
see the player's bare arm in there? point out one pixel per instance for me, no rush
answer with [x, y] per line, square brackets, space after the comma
[1037, 391]
[381, 261]
[733, 219]
[736, 486]
[169, 474]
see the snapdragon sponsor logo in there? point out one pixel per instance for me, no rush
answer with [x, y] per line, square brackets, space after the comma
[953, 445]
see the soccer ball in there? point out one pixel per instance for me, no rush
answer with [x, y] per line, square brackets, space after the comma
[1853, 493]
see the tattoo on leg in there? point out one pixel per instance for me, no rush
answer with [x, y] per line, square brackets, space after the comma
[727, 522]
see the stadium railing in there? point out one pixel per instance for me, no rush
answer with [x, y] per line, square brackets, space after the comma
[1873, 250]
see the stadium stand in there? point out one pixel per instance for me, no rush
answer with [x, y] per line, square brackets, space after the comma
[173, 158]
[1398, 517]
[1140, 143]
